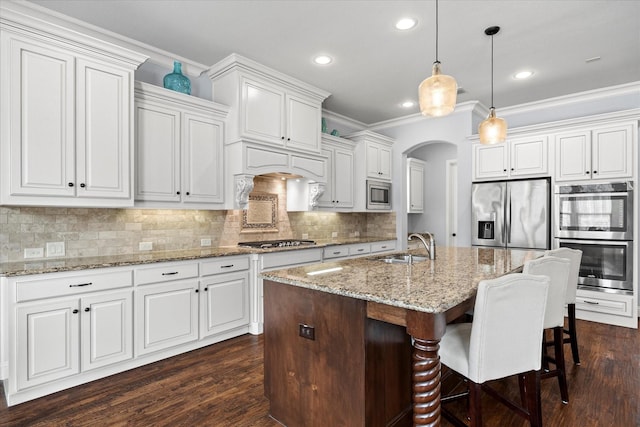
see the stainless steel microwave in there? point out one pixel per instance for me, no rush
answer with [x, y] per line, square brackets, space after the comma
[378, 195]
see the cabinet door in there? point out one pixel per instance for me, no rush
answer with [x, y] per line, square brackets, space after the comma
[490, 161]
[202, 168]
[343, 180]
[416, 187]
[378, 161]
[103, 137]
[303, 124]
[263, 112]
[166, 315]
[157, 153]
[106, 329]
[612, 152]
[327, 199]
[573, 156]
[47, 342]
[42, 119]
[529, 156]
[224, 303]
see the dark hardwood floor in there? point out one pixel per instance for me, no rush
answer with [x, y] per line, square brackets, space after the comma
[222, 385]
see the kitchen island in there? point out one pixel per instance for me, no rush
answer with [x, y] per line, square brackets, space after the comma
[338, 335]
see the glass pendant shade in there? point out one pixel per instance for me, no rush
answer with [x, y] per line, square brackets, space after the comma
[493, 129]
[437, 94]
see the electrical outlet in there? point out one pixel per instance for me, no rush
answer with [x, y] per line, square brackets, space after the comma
[356, 233]
[145, 246]
[334, 234]
[205, 242]
[306, 331]
[55, 249]
[305, 235]
[33, 253]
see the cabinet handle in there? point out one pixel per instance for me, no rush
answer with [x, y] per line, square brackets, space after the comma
[383, 247]
[226, 266]
[70, 184]
[360, 250]
[75, 311]
[592, 302]
[82, 185]
[337, 253]
[171, 273]
[79, 285]
[87, 309]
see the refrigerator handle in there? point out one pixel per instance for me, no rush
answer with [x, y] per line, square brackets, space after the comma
[507, 225]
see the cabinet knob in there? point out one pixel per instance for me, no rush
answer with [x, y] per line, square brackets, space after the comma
[187, 193]
[178, 193]
[197, 290]
[288, 139]
[282, 138]
[512, 169]
[587, 172]
[504, 170]
[454, 235]
[82, 185]
[206, 289]
[87, 309]
[595, 172]
[70, 184]
[75, 311]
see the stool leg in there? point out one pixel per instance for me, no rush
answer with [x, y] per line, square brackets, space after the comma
[558, 339]
[475, 411]
[571, 311]
[534, 401]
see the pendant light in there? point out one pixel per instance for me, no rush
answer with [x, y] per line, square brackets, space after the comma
[493, 129]
[437, 94]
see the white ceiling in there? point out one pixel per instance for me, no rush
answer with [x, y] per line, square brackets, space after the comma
[376, 67]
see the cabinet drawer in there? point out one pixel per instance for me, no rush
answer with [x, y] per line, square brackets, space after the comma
[223, 265]
[165, 273]
[360, 249]
[46, 286]
[335, 252]
[620, 307]
[383, 246]
[291, 258]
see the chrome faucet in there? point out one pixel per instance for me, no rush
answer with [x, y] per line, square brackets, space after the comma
[429, 247]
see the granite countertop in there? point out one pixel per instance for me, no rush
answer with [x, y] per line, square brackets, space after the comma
[52, 265]
[427, 286]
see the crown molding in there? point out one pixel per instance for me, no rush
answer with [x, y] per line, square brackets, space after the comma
[462, 108]
[343, 120]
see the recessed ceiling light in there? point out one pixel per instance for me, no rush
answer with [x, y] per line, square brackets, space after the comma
[406, 24]
[322, 59]
[521, 75]
[408, 104]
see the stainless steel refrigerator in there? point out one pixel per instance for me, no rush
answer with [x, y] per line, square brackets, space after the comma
[511, 214]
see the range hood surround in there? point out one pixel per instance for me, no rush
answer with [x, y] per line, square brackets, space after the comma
[244, 160]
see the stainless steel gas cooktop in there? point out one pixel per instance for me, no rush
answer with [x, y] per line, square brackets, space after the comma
[282, 243]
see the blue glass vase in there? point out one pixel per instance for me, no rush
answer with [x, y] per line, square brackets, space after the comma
[177, 81]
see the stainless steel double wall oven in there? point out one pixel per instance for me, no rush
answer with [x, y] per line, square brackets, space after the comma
[598, 220]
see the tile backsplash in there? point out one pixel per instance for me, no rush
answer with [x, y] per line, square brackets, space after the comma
[96, 232]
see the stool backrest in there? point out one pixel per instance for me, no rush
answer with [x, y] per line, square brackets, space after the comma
[557, 269]
[506, 334]
[575, 257]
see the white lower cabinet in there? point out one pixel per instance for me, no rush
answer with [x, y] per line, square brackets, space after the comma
[66, 329]
[166, 315]
[224, 303]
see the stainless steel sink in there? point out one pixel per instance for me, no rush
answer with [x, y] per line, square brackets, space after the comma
[402, 259]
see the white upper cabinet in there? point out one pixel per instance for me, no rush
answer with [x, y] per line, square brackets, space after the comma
[268, 107]
[517, 157]
[66, 118]
[604, 152]
[179, 149]
[378, 161]
[415, 190]
[339, 190]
